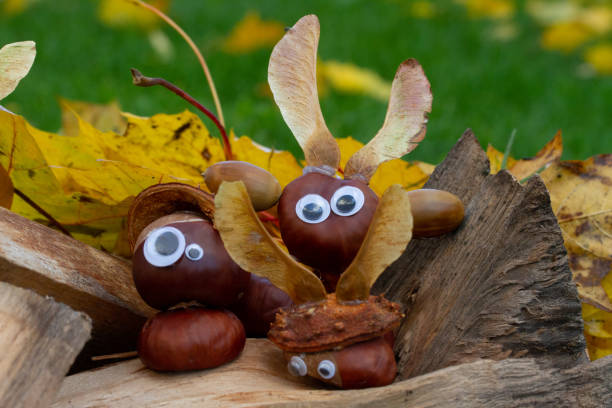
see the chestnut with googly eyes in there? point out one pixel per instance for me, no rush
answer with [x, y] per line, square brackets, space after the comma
[181, 258]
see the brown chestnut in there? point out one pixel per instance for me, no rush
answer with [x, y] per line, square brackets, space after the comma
[185, 261]
[323, 220]
[435, 212]
[367, 364]
[190, 339]
[257, 308]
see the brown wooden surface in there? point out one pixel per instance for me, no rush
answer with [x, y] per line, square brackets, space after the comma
[259, 378]
[498, 287]
[39, 340]
[39, 258]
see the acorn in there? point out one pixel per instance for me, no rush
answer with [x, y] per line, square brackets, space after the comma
[435, 212]
[191, 338]
[323, 220]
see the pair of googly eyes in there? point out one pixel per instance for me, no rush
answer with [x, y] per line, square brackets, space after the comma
[297, 367]
[346, 201]
[164, 246]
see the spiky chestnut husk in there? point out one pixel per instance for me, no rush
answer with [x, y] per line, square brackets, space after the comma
[332, 244]
[213, 280]
[191, 338]
[257, 308]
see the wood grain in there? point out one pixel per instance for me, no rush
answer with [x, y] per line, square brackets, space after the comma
[259, 378]
[498, 287]
[39, 339]
[38, 258]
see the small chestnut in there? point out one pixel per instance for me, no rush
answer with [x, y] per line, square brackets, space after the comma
[181, 258]
[190, 339]
[435, 212]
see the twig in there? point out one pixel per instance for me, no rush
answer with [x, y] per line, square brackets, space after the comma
[45, 214]
[195, 49]
[141, 80]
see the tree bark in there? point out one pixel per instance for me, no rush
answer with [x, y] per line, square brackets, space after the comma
[259, 378]
[39, 339]
[38, 258]
[498, 287]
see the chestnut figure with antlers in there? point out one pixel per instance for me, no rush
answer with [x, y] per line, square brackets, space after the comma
[180, 266]
[339, 227]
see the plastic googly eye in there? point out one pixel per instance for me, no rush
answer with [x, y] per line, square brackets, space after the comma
[347, 201]
[164, 246]
[312, 208]
[297, 367]
[326, 369]
[194, 252]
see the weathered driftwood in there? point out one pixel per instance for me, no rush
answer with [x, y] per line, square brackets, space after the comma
[498, 287]
[39, 339]
[259, 378]
[39, 258]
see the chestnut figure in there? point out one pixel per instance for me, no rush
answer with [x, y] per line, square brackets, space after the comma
[323, 220]
[258, 306]
[361, 365]
[186, 261]
[190, 339]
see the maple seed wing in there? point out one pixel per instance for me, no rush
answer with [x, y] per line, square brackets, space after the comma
[16, 59]
[251, 246]
[387, 238]
[292, 75]
[405, 123]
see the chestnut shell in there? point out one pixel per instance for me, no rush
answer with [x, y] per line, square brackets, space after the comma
[214, 280]
[332, 244]
[257, 308]
[367, 364]
[190, 339]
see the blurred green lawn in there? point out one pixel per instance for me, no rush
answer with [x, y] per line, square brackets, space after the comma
[478, 82]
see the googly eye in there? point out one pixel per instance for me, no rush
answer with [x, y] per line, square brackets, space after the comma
[312, 208]
[297, 367]
[194, 252]
[347, 200]
[326, 369]
[164, 246]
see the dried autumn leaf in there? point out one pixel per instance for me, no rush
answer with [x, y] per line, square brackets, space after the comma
[389, 233]
[600, 57]
[124, 13]
[252, 247]
[103, 117]
[496, 159]
[252, 33]
[16, 59]
[349, 78]
[581, 198]
[292, 79]
[6, 189]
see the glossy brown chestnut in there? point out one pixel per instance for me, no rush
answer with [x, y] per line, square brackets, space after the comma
[329, 245]
[435, 212]
[257, 308]
[213, 280]
[190, 339]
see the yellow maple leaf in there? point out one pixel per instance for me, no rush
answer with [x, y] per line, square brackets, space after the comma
[600, 58]
[350, 78]
[422, 9]
[252, 33]
[103, 117]
[496, 159]
[497, 9]
[123, 13]
[566, 36]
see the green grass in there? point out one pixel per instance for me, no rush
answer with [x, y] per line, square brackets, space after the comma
[492, 87]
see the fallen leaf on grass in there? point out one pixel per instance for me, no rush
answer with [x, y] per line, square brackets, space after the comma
[349, 78]
[125, 14]
[16, 59]
[252, 33]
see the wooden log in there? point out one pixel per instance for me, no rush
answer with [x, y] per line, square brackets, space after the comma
[498, 287]
[259, 378]
[39, 339]
[38, 258]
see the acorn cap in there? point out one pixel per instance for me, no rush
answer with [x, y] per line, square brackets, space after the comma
[328, 325]
[163, 199]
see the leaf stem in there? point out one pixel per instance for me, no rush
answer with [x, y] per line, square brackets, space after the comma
[194, 48]
[141, 80]
[45, 214]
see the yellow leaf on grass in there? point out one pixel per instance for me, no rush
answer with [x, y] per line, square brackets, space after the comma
[496, 159]
[349, 78]
[16, 59]
[566, 36]
[600, 58]
[581, 198]
[14, 7]
[497, 9]
[597, 18]
[422, 9]
[550, 153]
[252, 33]
[549, 12]
[125, 14]
[103, 117]
[410, 175]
